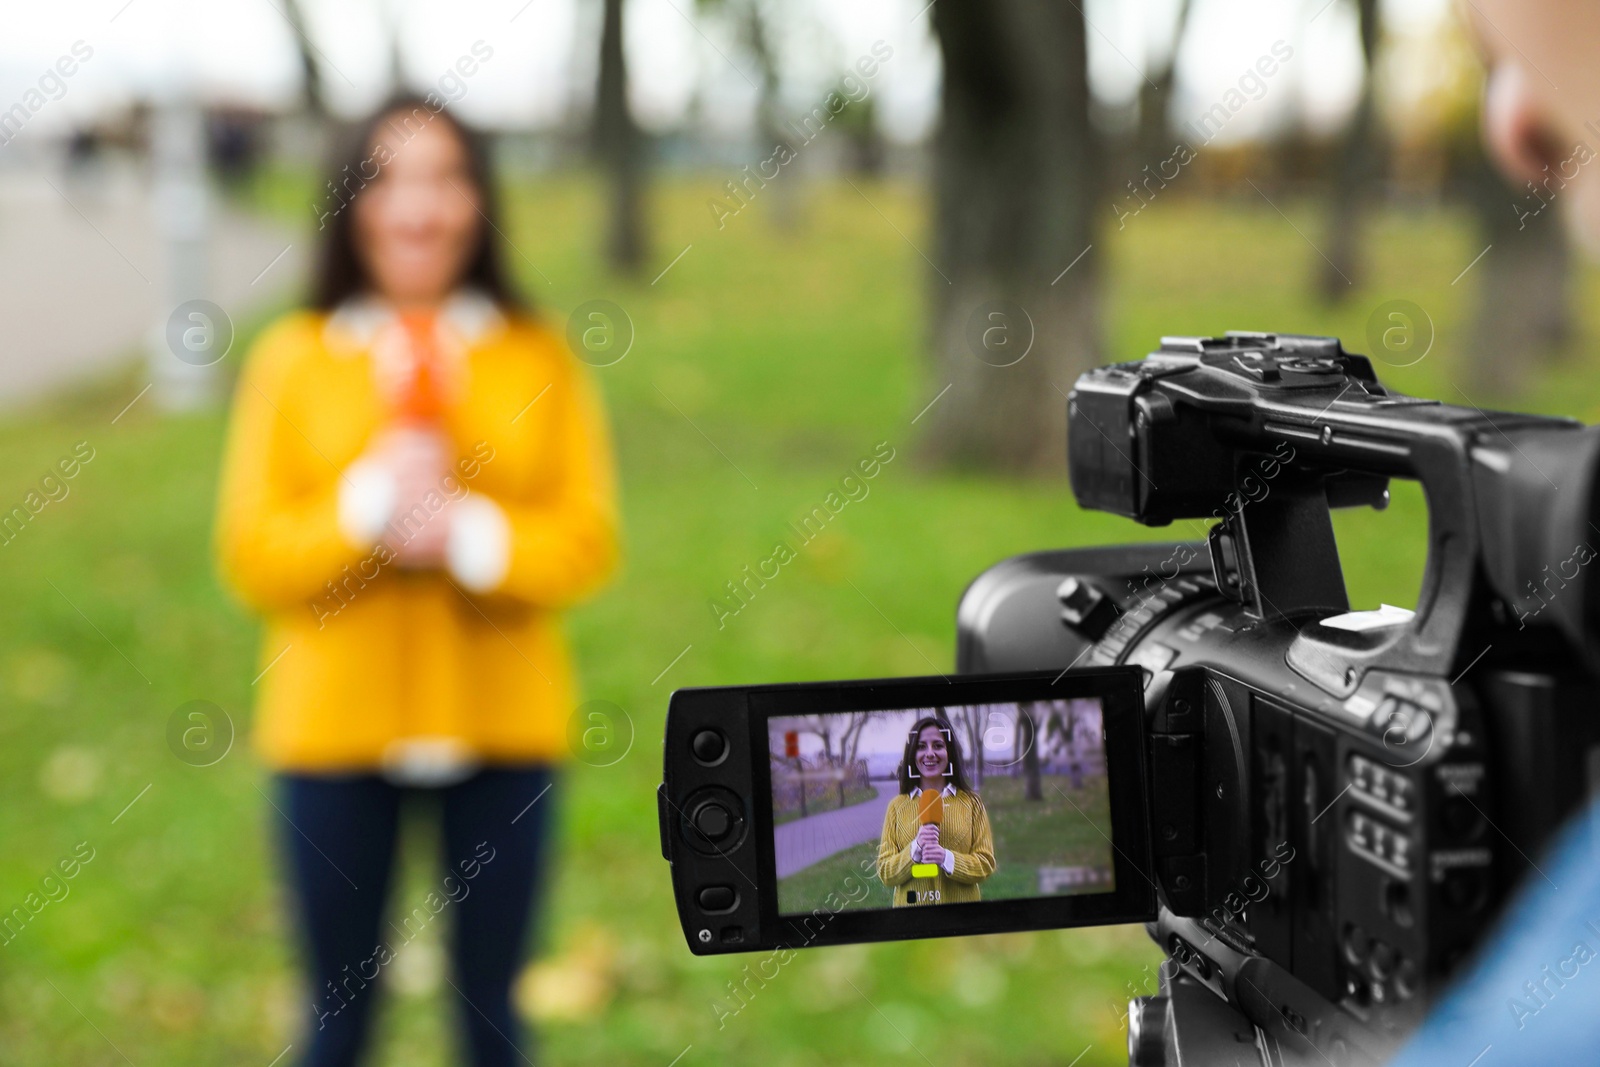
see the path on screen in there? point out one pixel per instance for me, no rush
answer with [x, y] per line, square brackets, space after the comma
[801, 843]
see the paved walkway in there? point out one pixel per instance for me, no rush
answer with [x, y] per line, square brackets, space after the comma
[82, 278]
[803, 842]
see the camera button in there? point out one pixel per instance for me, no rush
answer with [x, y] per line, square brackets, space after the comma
[709, 746]
[715, 898]
[1381, 963]
[1405, 979]
[713, 820]
[1357, 945]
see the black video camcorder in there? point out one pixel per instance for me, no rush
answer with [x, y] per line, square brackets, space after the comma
[1316, 811]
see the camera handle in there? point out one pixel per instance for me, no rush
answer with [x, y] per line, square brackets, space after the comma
[1287, 558]
[1195, 416]
[1274, 584]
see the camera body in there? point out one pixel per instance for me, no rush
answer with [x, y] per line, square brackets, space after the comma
[1317, 812]
[1339, 800]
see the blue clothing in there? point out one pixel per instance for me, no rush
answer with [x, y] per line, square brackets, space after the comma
[338, 835]
[1532, 994]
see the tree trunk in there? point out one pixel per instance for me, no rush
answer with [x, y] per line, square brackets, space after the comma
[390, 13]
[1153, 138]
[1032, 787]
[785, 194]
[1015, 194]
[310, 73]
[617, 145]
[1358, 167]
[964, 721]
[1524, 283]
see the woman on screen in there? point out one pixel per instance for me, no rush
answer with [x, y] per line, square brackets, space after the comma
[937, 846]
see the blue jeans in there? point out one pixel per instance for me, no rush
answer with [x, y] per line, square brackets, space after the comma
[338, 837]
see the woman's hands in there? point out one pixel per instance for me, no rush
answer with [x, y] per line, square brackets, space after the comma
[419, 461]
[927, 844]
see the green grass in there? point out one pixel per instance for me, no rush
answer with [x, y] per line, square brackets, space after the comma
[1056, 831]
[804, 890]
[794, 354]
[821, 797]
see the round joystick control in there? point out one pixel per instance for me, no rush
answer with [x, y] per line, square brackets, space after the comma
[713, 820]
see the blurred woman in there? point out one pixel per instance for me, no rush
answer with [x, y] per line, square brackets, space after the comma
[417, 481]
[944, 858]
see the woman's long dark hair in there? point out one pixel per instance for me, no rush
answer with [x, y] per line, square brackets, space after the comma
[340, 274]
[958, 774]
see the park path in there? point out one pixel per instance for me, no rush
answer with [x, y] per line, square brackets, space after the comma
[803, 842]
[82, 273]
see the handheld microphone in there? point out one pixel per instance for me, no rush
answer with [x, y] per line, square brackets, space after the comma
[930, 810]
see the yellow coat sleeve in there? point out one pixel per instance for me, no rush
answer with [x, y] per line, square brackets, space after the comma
[565, 543]
[974, 866]
[277, 539]
[894, 859]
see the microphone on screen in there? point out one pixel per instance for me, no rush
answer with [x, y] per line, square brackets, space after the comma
[930, 811]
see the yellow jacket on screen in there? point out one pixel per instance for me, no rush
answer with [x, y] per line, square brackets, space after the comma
[964, 833]
[360, 657]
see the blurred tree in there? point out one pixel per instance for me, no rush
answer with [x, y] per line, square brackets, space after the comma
[1028, 738]
[1016, 274]
[1062, 736]
[1358, 166]
[859, 123]
[618, 146]
[389, 15]
[310, 73]
[1523, 314]
[1154, 138]
[754, 21]
[967, 721]
[850, 739]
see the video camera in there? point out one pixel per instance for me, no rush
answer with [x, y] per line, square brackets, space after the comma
[1316, 811]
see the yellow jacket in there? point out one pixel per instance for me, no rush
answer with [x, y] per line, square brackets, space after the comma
[360, 655]
[964, 832]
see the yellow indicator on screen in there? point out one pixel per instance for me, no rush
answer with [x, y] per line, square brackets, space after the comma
[924, 870]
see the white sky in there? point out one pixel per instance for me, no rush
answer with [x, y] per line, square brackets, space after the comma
[543, 60]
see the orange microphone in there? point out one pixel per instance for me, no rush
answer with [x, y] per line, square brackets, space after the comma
[930, 811]
[421, 400]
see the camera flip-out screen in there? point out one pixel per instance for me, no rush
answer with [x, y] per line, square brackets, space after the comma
[862, 811]
[899, 798]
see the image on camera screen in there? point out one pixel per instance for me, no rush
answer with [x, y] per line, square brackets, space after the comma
[947, 805]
